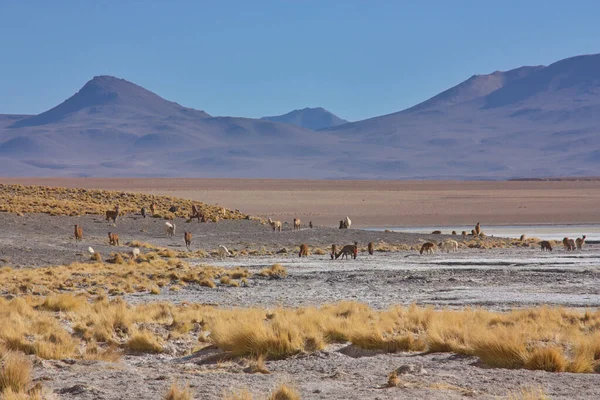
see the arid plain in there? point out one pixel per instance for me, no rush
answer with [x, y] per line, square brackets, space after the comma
[375, 203]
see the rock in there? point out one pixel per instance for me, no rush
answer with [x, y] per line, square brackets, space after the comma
[173, 209]
[282, 251]
[77, 389]
[415, 369]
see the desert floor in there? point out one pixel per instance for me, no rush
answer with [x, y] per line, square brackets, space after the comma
[375, 203]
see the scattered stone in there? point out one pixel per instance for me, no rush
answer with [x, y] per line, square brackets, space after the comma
[75, 390]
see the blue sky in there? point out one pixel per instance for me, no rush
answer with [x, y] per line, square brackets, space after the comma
[358, 59]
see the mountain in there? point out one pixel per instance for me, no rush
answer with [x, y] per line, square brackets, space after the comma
[533, 121]
[309, 118]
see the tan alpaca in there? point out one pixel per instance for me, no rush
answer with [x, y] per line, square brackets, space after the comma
[276, 225]
[448, 245]
[464, 233]
[153, 208]
[545, 245]
[333, 251]
[113, 239]
[427, 247]
[572, 245]
[371, 248]
[567, 243]
[478, 229]
[303, 250]
[112, 214]
[297, 224]
[474, 232]
[187, 237]
[78, 233]
[580, 242]
[523, 238]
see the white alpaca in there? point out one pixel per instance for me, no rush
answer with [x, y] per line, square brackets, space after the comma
[448, 245]
[90, 250]
[170, 229]
[348, 222]
[276, 225]
[223, 251]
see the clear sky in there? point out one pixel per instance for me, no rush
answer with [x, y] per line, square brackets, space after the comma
[253, 58]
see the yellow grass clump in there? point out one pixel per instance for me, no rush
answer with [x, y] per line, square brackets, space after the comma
[15, 374]
[528, 393]
[178, 393]
[144, 342]
[284, 392]
[276, 271]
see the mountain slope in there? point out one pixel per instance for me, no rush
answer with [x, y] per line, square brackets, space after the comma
[309, 118]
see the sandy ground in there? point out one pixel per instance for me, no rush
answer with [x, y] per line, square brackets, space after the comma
[495, 279]
[376, 203]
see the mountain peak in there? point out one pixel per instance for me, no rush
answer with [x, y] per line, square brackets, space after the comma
[105, 94]
[311, 118]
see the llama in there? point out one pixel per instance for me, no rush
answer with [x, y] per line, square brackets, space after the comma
[478, 229]
[112, 214]
[310, 224]
[223, 251]
[545, 245]
[78, 233]
[187, 236]
[351, 249]
[113, 239]
[427, 247]
[436, 232]
[371, 248]
[333, 251]
[303, 250]
[276, 225]
[170, 229]
[448, 245]
[297, 224]
[580, 242]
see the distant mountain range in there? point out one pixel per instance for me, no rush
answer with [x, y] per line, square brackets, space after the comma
[309, 118]
[527, 122]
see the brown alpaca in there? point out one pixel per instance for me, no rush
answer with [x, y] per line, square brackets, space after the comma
[303, 250]
[580, 242]
[350, 249]
[187, 236]
[545, 245]
[113, 239]
[427, 248]
[464, 233]
[196, 214]
[143, 212]
[523, 238]
[473, 232]
[297, 224]
[78, 233]
[153, 208]
[567, 243]
[112, 214]
[454, 232]
[436, 232]
[310, 224]
[571, 244]
[333, 251]
[371, 248]
[478, 229]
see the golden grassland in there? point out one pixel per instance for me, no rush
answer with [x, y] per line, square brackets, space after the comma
[75, 202]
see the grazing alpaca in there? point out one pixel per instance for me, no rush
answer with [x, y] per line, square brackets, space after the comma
[567, 243]
[112, 214]
[78, 233]
[170, 229]
[196, 214]
[580, 242]
[187, 236]
[276, 225]
[427, 248]
[310, 224]
[571, 244]
[303, 251]
[371, 248]
[545, 245]
[297, 224]
[478, 229]
[153, 208]
[143, 212]
[454, 232]
[113, 239]
[523, 238]
[342, 225]
[436, 232]
[333, 251]
[351, 249]
[448, 245]
[464, 233]
[223, 251]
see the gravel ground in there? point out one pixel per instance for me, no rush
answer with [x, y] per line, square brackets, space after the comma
[495, 279]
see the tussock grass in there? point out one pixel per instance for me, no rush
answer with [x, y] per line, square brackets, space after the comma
[144, 342]
[284, 392]
[179, 393]
[76, 201]
[528, 393]
[276, 271]
[15, 374]
[243, 394]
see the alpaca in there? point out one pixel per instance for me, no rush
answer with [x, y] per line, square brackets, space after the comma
[78, 233]
[342, 225]
[567, 243]
[474, 232]
[371, 248]
[223, 251]
[545, 245]
[571, 244]
[187, 236]
[153, 208]
[303, 251]
[143, 212]
[436, 232]
[113, 239]
[347, 222]
[464, 233]
[523, 238]
[310, 224]
[333, 251]
[112, 214]
[448, 245]
[580, 242]
[170, 229]
[454, 232]
[297, 224]
[351, 249]
[427, 247]
[478, 229]
[276, 225]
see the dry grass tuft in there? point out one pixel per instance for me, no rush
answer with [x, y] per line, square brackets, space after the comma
[144, 342]
[276, 271]
[284, 392]
[528, 393]
[393, 379]
[96, 257]
[15, 374]
[243, 394]
[549, 359]
[177, 393]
